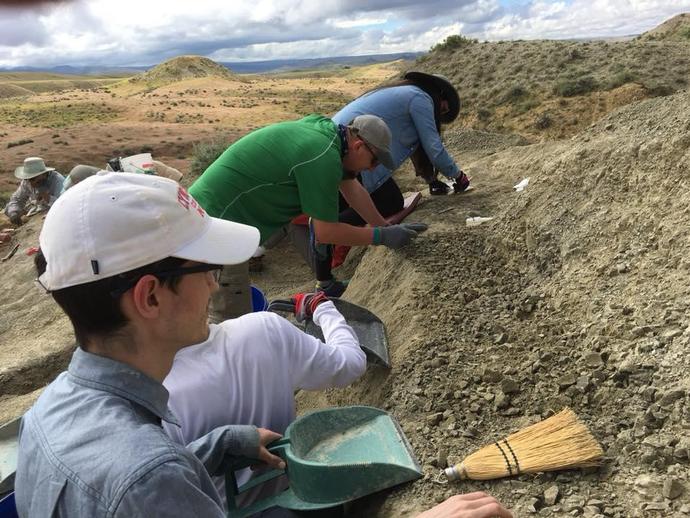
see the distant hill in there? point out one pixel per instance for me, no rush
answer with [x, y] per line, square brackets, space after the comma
[673, 29]
[284, 65]
[183, 67]
[238, 67]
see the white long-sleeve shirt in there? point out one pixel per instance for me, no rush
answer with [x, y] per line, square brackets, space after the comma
[248, 369]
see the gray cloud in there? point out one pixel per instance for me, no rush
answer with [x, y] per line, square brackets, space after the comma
[99, 31]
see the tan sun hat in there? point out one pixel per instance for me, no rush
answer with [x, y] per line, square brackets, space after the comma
[33, 166]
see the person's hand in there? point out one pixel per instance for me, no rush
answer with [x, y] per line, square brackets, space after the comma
[462, 183]
[267, 437]
[306, 303]
[438, 188]
[471, 505]
[397, 236]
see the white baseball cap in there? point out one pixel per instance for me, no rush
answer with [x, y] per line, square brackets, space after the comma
[112, 223]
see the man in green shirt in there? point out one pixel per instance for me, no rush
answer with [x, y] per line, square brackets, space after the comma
[278, 172]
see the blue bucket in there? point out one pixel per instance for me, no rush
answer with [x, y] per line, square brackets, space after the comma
[259, 302]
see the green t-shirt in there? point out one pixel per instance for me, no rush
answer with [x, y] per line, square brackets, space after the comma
[274, 174]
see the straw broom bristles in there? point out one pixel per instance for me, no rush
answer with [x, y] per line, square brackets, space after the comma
[559, 442]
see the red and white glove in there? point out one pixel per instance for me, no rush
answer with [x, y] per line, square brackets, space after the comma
[305, 304]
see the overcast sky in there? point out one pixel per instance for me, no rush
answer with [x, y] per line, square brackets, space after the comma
[145, 32]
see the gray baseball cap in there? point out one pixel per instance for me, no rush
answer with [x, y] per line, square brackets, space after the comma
[375, 132]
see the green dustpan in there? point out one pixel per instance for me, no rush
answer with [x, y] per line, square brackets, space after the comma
[334, 456]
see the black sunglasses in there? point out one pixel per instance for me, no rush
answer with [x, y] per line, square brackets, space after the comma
[168, 274]
[374, 158]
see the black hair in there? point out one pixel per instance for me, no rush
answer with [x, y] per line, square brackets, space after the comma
[93, 308]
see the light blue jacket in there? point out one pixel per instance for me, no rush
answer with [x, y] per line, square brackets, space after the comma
[92, 446]
[409, 113]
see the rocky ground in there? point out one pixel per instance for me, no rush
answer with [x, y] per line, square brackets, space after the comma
[575, 294]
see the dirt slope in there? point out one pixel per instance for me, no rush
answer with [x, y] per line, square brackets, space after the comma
[575, 295]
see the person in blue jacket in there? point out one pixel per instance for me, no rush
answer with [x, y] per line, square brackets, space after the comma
[414, 109]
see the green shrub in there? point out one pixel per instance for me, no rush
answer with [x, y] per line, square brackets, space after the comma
[514, 94]
[205, 153]
[543, 121]
[527, 105]
[573, 87]
[620, 79]
[19, 142]
[483, 114]
[453, 42]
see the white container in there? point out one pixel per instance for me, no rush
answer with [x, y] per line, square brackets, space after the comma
[476, 221]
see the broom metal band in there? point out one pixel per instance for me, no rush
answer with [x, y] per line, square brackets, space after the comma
[517, 464]
[505, 457]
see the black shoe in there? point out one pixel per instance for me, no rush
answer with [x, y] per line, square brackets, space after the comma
[332, 288]
[438, 188]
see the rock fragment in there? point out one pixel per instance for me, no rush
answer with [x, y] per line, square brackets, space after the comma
[672, 488]
[551, 495]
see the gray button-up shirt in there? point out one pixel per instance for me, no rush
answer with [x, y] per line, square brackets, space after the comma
[93, 446]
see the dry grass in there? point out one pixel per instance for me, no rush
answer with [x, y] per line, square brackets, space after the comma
[165, 117]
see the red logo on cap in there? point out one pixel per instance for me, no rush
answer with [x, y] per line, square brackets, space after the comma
[188, 202]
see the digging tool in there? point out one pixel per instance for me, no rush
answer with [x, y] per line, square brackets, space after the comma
[332, 456]
[368, 327]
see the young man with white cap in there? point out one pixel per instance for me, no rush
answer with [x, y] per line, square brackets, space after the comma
[131, 259]
[278, 172]
[40, 186]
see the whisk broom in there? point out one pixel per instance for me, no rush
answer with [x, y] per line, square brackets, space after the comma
[559, 442]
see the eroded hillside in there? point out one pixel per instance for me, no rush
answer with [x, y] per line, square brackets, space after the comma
[575, 295]
[555, 89]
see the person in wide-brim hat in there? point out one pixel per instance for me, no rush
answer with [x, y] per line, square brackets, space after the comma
[33, 166]
[40, 186]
